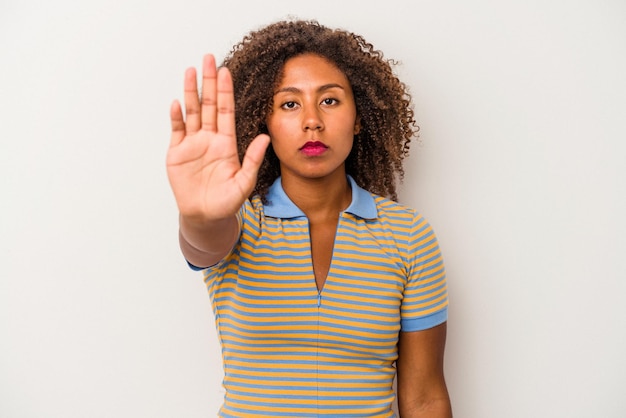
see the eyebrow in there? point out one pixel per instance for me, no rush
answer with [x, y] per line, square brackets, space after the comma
[319, 89]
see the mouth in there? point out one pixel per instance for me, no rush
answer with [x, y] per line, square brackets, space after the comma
[313, 148]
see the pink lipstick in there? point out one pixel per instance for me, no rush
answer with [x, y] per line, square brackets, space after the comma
[313, 148]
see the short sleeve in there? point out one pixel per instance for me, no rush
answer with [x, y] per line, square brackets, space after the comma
[425, 299]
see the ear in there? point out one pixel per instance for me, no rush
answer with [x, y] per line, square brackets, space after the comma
[357, 125]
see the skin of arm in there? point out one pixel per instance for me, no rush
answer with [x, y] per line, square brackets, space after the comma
[205, 244]
[422, 390]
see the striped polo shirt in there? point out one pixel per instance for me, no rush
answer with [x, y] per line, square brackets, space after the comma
[290, 350]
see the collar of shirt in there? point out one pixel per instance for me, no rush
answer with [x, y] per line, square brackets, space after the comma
[280, 206]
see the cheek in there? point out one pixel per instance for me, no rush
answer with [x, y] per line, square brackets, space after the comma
[269, 124]
[349, 145]
[278, 126]
[347, 131]
[277, 132]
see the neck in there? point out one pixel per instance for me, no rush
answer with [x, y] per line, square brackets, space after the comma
[319, 199]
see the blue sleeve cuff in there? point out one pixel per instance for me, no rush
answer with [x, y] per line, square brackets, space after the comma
[425, 322]
[195, 268]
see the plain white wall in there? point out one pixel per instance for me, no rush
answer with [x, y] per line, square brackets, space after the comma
[520, 168]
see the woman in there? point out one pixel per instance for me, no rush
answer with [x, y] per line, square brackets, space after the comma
[322, 285]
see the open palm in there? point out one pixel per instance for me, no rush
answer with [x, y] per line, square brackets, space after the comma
[206, 176]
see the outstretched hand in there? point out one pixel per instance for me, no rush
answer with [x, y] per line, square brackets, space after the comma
[206, 176]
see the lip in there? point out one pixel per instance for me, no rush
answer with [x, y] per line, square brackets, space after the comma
[313, 148]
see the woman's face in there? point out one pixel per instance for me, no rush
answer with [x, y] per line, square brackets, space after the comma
[313, 118]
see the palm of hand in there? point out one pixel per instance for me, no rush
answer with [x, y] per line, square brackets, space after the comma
[206, 176]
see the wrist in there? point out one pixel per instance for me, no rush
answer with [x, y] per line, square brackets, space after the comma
[205, 242]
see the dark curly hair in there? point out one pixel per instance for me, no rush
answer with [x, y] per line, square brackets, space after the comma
[383, 103]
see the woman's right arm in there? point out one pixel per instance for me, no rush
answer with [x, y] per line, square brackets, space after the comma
[209, 182]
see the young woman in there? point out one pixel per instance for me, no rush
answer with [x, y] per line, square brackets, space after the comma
[322, 285]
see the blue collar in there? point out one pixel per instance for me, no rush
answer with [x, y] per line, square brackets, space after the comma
[280, 206]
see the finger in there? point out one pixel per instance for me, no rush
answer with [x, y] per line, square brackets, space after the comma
[178, 124]
[253, 158]
[209, 94]
[192, 104]
[225, 103]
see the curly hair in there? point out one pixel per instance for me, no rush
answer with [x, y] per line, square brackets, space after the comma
[383, 103]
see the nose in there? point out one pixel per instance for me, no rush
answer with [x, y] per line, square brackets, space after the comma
[312, 119]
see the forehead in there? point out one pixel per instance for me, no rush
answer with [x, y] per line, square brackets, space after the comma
[306, 69]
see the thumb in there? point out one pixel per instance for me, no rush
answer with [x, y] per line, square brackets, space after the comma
[253, 157]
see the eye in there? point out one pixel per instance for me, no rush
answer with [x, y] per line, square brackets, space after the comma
[330, 101]
[289, 105]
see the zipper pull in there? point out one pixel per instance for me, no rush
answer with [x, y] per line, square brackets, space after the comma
[319, 299]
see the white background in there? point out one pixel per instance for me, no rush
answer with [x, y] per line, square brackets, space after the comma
[520, 168]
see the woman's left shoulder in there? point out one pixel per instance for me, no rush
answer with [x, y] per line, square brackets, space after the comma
[386, 206]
